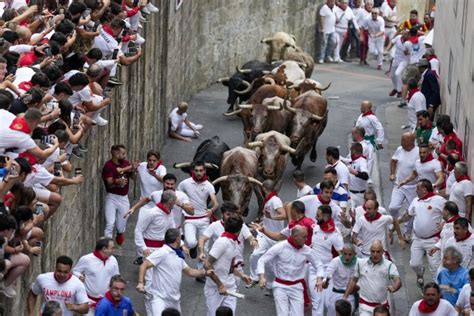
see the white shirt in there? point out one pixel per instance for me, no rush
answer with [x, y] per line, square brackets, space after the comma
[344, 17]
[458, 192]
[374, 279]
[152, 225]
[339, 273]
[176, 211]
[405, 163]
[97, 274]
[224, 250]
[374, 27]
[356, 183]
[465, 247]
[197, 194]
[401, 47]
[312, 203]
[148, 183]
[416, 103]
[359, 211]
[84, 95]
[270, 207]
[428, 170]
[464, 298]
[72, 291]
[323, 242]
[289, 262]
[215, 231]
[107, 44]
[177, 120]
[167, 272]
[444, 309]
[372, 126]
[329, 19]
[342, 172]
[38, 175]
[450, 181]
[388, 12]
[367, 231]
[304, 191]
[14, 139]
[361, 15]
[446, 233]
[428, 215]
[417, 50]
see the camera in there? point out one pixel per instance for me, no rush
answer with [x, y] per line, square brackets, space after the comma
[77, 171]
[57, 168]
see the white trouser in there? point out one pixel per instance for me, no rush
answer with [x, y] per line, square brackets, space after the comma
[264, 243]
[366, 310]
[396, 73]
[115, 208]
[399, 195]
[376, 48]
[156, 305]
[332, 297]
[185, 131]
[419, 248]
[289, 299]
[317, 298]
[357, 199]
[214, 300]
[339, 40]
[390, 32]
[134, 21]
[411, 117]
[193, 229]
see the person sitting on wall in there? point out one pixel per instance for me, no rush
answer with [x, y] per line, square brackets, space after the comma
[180, 127]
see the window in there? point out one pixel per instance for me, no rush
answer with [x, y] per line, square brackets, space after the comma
[457, 106]
[450, 70]
[464, 21]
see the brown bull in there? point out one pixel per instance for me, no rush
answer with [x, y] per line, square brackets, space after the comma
[310, 115]
[238, 172]
[302, 58]
[272, 150]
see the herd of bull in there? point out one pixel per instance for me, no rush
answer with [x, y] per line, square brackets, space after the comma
[283, 114]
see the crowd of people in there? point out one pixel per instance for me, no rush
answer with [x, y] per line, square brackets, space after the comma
[327, 250]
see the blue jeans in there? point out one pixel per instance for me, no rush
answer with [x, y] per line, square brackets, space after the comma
[328, 43]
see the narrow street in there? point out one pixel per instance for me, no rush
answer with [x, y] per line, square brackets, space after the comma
[351, 84]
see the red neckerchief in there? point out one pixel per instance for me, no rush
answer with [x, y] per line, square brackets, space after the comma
[463, 177]
[462, 239]
[427, 196]
[292, 242]
[452, 219]
[413, 39]
[376, 217]
[269, 196]
[323, 202]
[20, 124]
[8, 199]
[355, 157]
[411, 93]
[232, 236]
[111, 299]
[295, 222]
[429, 126]
[328, 227]
[368, 113]
[428, 26]
[69, 276]
[428, 159]
[25, 85]
[29, 157]
[390, 4]
[107, 29]
[160, 162]
[204, 178]
[431, 57]
[425, 308]
[162, 207]
[100, 257]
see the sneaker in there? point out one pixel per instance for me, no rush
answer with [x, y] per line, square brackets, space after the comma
[145, 11]
[338, 60]
[199, 127]
[114, 82]
[321, 61]
[330, 59]
[420, 282]
[402, 104]
[201, 280]
[100, 121]
[193, 252]
[8, 291]
[82, 148]
[379, 67]
[77, 153]
[268, 292]
[251, 285]
[392, 93]
[399, 94]
[120, 239]
[138, 261]
[152, 8]
[140, 40]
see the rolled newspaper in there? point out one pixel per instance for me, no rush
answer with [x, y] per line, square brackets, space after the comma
[235, 294]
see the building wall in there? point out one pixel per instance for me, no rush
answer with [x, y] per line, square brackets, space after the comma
[186, 50]
[454, 46]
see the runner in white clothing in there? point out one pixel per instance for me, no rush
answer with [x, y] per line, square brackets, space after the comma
[150, 174]
[432, 304]
[167, 264]
[289, 259]
[96, 269]
[388, 11]
[358, 175]
[461, 192]
[401, 59]
[376, 28]
[333, 160]
[299, 181]
[416, 102]
[373, 128]
[180, 127]
[427, 167]
[339, 194]
[344, 15]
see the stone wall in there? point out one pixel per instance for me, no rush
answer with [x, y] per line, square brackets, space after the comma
[186, 50]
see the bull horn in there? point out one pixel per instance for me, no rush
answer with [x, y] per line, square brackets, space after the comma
[289, 108]
[266, 72]
[211, 165]
[288, 149]
[266, 40]
[219, 180]
[243, 71]
[232, 113]
[316, 117]
[255, 144]
[320, 88]
[298, 147]
[246, 90]
[255, 181]
[270, 81]
[274, 107]
[181, 165]
[245, 106]
[221, 80]
[302, 65]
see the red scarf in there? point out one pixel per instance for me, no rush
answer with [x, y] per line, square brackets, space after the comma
[427, 159]
[390, 4]
[452, 219]
[368, 113]
[163, 207]
[463, 177]
[29, 157]
[269, 196]
[425, 308]
[355, 157]
[323, 202]
[204, 178]
[328, 227]
[232, 236]
[411, 93]
[307, 223]
[69, 276]
[462, 239]
[20, 124]
[292, 242]
[107, 29]
[160, 162]
[100, 257]
[376, 217]
[111, 299]
[427, 196]
[413, 39]
[431, 57]
[25, 85]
